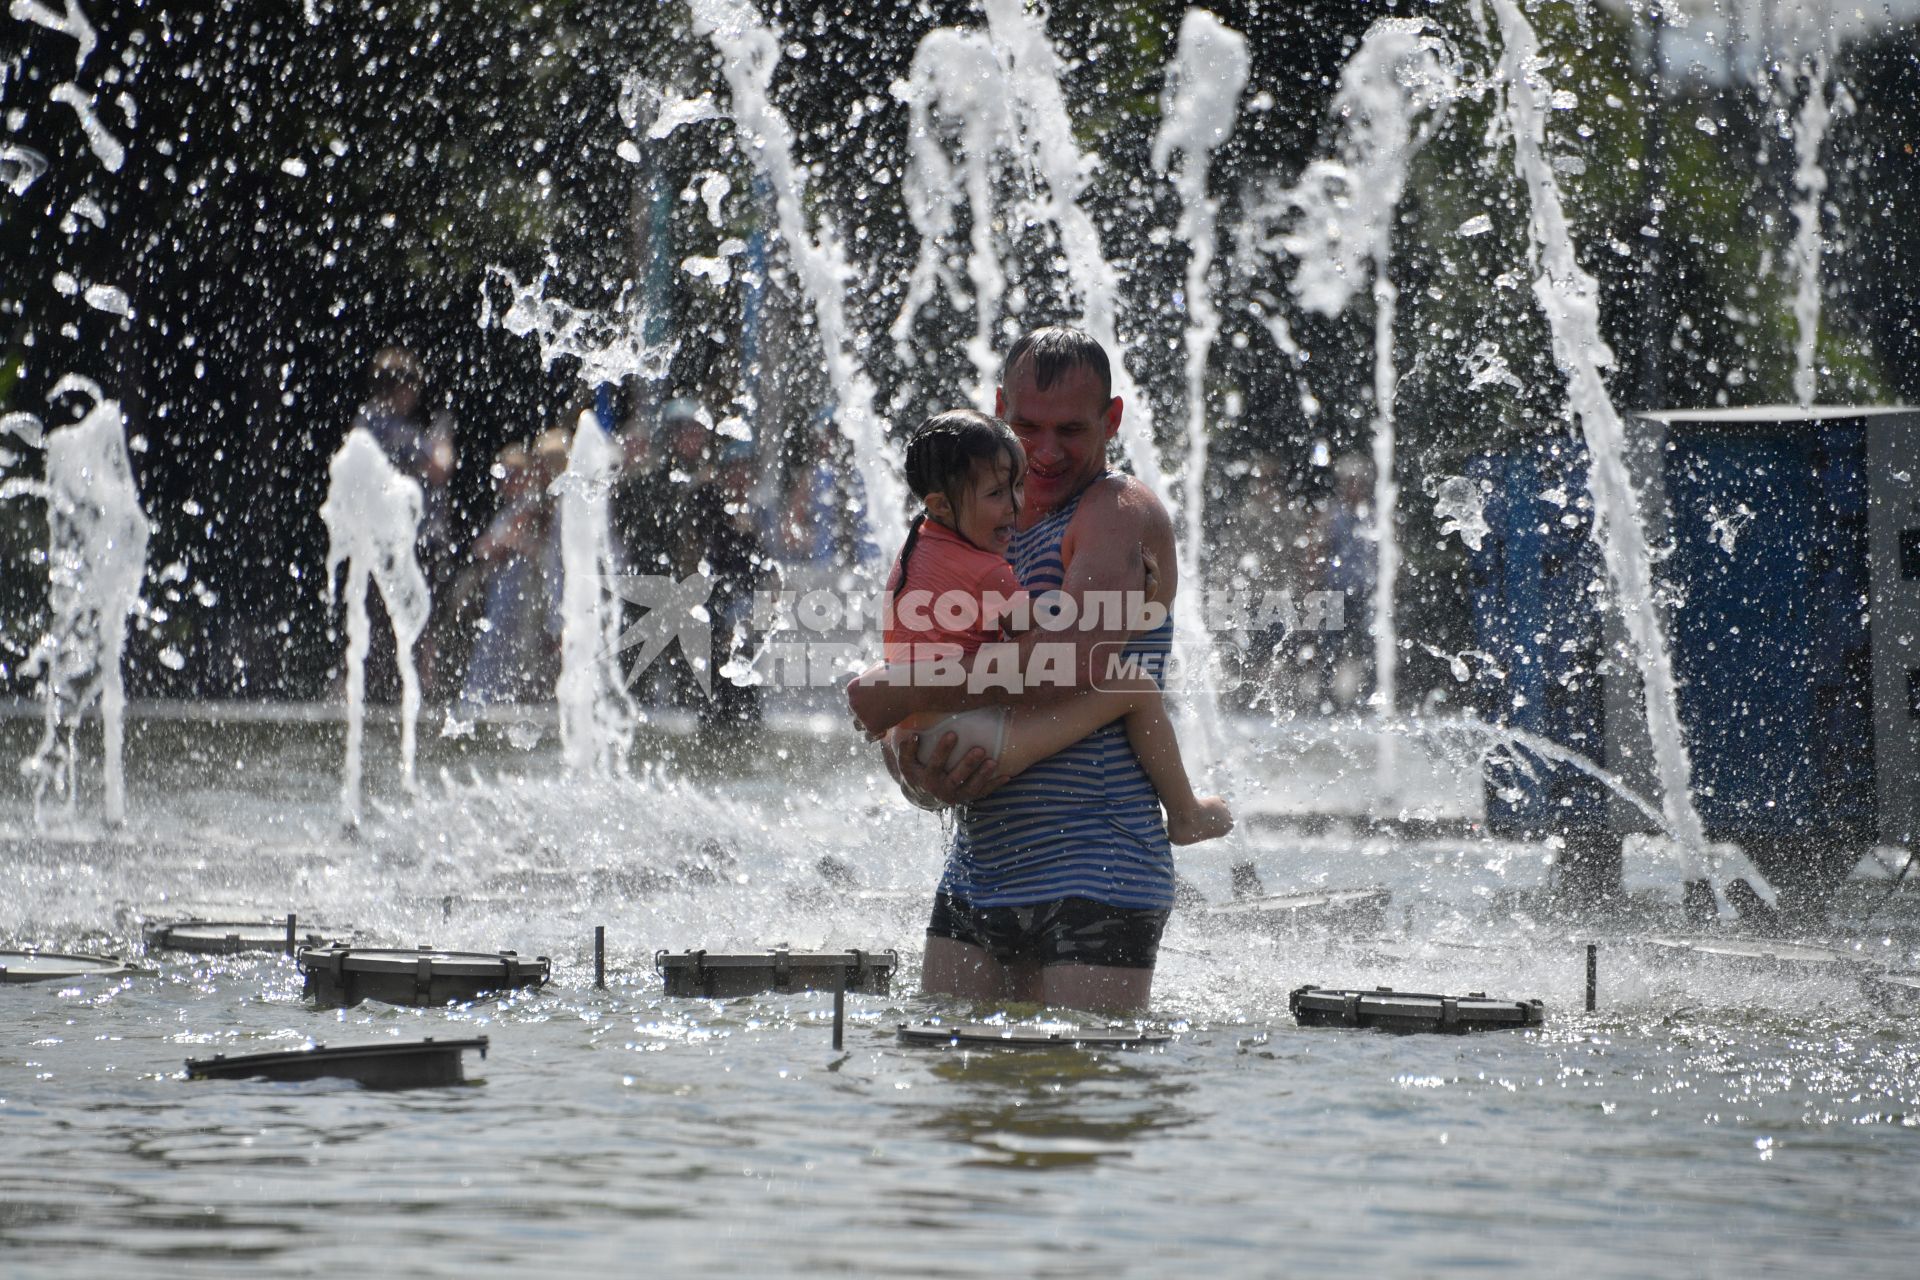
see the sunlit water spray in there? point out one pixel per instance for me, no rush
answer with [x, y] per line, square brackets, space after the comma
[596, 712]
[1570, 298]
[1393, 92]
[1810, 182]
[96, 560]
[750, 52]
[1198, 111]
[956, 87]
[372, 513]
[1060, 169]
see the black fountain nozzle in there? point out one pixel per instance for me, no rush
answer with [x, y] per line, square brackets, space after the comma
[1698, 905]
[1753, 909]
[1246, 881]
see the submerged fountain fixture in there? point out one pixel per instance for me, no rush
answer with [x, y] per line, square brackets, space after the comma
[422, 1064]
[716, 975]
[55, 966]
[1385, 1009]
[340, 975]
[233, 937]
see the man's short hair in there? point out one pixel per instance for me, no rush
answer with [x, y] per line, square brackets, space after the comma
[1055, 351]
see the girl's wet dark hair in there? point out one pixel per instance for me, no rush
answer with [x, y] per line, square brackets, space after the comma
[941, 456]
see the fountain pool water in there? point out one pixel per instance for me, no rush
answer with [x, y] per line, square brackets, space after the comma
[1698, 1119]
[1701, 1119]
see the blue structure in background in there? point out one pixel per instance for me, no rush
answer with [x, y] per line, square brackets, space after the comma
[1771, 644]
[1767, 518]
[1534, 613]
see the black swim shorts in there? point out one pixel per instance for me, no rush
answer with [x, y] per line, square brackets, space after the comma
[1067, 931]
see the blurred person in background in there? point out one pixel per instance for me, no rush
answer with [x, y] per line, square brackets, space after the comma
[513, 581]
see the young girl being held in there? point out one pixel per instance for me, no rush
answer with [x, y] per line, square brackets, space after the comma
[967, 469]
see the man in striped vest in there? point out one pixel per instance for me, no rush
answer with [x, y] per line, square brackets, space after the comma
[1057, 883]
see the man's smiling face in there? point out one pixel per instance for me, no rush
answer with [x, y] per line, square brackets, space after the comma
[1064, 430]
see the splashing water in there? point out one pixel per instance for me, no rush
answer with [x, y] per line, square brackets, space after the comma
[1570, 298]
[1060, 167]
[72, 24]
[1460, 505]
[749, 53]
[97, 558]
[596, 712]
[1198, 111]
[956, 83]
[1810, 129]
[609, 346]
[372, 513]
[1393, 93]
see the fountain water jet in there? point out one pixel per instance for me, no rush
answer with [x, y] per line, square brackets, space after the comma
[956, 82]
[1570, 298]
[1810, 129]
[1393, 92]
[597, 713]
[749, 53]
[97, 559]
[1198, 110]
[1046, 126]
[372, 514]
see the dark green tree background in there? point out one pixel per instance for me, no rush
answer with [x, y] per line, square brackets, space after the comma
[297, 194]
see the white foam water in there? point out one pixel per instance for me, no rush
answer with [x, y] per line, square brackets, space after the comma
[596, 712]
[372, 513]
[96, 561]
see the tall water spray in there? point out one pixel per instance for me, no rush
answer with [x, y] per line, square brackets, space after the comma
[372, 513]
[956, 87]
[597, 714]
[1198, 110]
[96, 561]
[1569, 296]
[1393, 92]
[1810, 181]
[749, 53]
[1046, 130]
[1060, 168]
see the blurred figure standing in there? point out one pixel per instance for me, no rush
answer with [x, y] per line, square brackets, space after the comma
[514, 580]
[421, 446]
